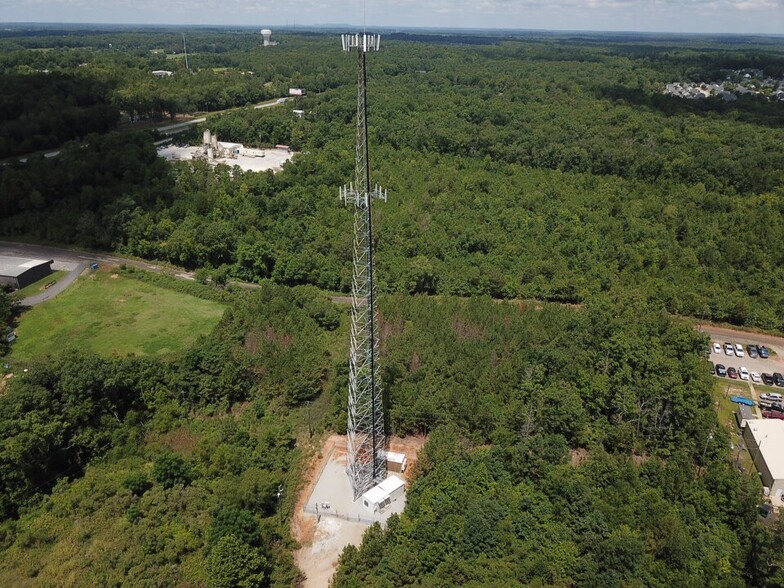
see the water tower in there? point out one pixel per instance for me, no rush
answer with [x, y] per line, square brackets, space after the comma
[267, 35]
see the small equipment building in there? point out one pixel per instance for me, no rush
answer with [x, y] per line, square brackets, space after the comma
[743, 415]
[18, 272]
[396, 462]
[764, 439]
[381, 496]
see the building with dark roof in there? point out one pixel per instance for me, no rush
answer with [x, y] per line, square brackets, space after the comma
[19, 272]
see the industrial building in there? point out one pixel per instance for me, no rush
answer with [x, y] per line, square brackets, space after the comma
[18, 272]
[764, 439]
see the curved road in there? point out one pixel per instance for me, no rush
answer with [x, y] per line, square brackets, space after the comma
[69, 279]
[81, 259]
[75, 262]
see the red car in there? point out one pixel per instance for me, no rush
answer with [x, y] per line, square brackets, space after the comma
[732, 373]
[768, 414]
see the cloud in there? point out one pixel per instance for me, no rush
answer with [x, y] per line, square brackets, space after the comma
[741, 16]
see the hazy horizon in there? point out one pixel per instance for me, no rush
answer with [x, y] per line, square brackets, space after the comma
[760, 17]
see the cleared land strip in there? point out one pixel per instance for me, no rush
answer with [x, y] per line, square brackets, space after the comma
[76, 256]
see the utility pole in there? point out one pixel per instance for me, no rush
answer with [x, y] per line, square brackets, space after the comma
[366, 437]
[185, 49]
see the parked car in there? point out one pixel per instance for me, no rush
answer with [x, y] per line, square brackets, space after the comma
[767, 379]
[743, 373]
[729, 349]
[741, 400]
[721, 370]
[739, 350]
[778, 379]
[732, 373]
[752, 349]
[716, 347]
[771, 397]
[773, 415]
[764, 352]
[712, 369]
[755, 377]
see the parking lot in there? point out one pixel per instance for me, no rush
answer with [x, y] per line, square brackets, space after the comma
[774, 363]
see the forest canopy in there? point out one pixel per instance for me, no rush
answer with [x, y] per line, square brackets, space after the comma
[568, 444]
[528, 168]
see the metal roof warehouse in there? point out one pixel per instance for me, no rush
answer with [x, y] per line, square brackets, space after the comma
[19, 272]
[764, 439]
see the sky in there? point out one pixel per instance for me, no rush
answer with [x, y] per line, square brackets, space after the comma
[679, 16]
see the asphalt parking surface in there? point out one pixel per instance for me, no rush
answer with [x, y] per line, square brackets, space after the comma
[773, 364]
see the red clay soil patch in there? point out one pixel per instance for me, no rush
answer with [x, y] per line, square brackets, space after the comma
[409, 446]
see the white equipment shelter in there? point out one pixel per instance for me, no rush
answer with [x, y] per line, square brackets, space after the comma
[396, 462]
[384, 494]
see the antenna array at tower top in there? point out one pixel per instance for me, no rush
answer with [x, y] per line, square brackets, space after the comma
[361, 41]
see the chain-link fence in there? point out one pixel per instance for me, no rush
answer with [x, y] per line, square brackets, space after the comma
[330, 512]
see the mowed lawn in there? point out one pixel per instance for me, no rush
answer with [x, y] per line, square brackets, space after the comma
[114, 315]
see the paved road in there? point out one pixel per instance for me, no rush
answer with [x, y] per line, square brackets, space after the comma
[181, 126]
[67, 280]
[171, 129]
[273, 103]
[48, 155]
[722, 334]
[75, 262]
[86, 257]
[719, 334]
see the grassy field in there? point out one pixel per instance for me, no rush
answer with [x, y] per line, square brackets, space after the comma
[114, 316]
[761, 388]
[722, 391]
[38, 287]
[726, 410]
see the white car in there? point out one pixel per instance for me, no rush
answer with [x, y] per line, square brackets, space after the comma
[729, 349]
[743, 373]
[755, 377]
[771, 397]
[738, 349]
[717, 348]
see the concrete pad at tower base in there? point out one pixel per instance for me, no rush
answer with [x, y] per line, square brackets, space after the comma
[332, 495]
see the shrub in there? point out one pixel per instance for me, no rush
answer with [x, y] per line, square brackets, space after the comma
[170, 469]
[137, 483]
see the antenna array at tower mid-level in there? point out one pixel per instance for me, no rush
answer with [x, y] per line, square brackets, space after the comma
[366, 438]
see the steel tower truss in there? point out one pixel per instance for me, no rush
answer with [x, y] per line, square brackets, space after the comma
[366, 439]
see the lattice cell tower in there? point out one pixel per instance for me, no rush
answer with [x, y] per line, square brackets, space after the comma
[366, 439]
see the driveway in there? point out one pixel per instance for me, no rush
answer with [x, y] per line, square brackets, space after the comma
[75, 262]
[59, 254]
[74, 271]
